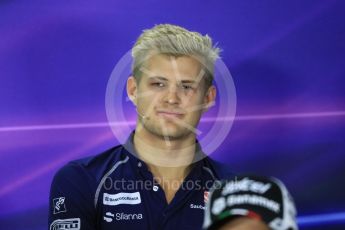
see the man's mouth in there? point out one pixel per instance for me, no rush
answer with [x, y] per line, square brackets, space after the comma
[170, 114]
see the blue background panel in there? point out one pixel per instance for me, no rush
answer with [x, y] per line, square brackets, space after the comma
[286, 58]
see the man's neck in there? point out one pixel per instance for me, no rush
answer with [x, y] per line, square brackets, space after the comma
[168, 159]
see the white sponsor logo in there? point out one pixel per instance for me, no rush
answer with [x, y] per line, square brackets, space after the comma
[121, 198]
[197, 206]
[253, 200]
[66, 224]
[109, 217]
[245, 185]
[59, 205]
[125, 216]
[218, 205]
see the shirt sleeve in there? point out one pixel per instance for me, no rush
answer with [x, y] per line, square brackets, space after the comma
[71, 200]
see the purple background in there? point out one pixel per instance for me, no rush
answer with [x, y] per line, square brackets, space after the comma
[287, 60]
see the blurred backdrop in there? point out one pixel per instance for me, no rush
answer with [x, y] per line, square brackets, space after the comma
[286, 58]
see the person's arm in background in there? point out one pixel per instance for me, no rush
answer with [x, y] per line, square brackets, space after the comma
[71, 204]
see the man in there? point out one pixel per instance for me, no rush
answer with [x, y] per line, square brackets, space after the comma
[250, 202]
[159, 178]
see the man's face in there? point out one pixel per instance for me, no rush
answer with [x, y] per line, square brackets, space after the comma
[172, 95]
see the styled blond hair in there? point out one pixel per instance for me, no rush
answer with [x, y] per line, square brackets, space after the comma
[176, 41]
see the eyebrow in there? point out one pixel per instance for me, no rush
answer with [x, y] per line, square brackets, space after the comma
[165, 79]
[158, 78]
[188, 81]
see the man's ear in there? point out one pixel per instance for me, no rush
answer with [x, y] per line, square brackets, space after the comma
[132, 89]
[209, 98]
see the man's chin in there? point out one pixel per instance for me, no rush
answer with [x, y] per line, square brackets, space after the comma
[174, 134]
[169, 132]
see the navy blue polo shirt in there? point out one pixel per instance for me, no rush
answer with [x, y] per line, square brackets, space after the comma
[115, 190]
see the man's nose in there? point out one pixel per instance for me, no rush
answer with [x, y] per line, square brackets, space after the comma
[172, 96]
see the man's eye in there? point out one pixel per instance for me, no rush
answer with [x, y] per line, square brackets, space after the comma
[187, 87]
[158, 84]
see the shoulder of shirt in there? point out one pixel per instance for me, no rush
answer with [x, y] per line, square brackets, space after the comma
[106, 157]
[222, 171]
[93, 167]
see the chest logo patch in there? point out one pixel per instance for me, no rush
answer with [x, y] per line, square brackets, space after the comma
[59, 205]
[206, 195]
[66, 224]
[121, 198]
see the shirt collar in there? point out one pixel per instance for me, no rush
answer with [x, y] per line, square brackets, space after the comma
[198, 160]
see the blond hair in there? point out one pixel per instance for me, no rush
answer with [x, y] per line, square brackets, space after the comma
[176, 41]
